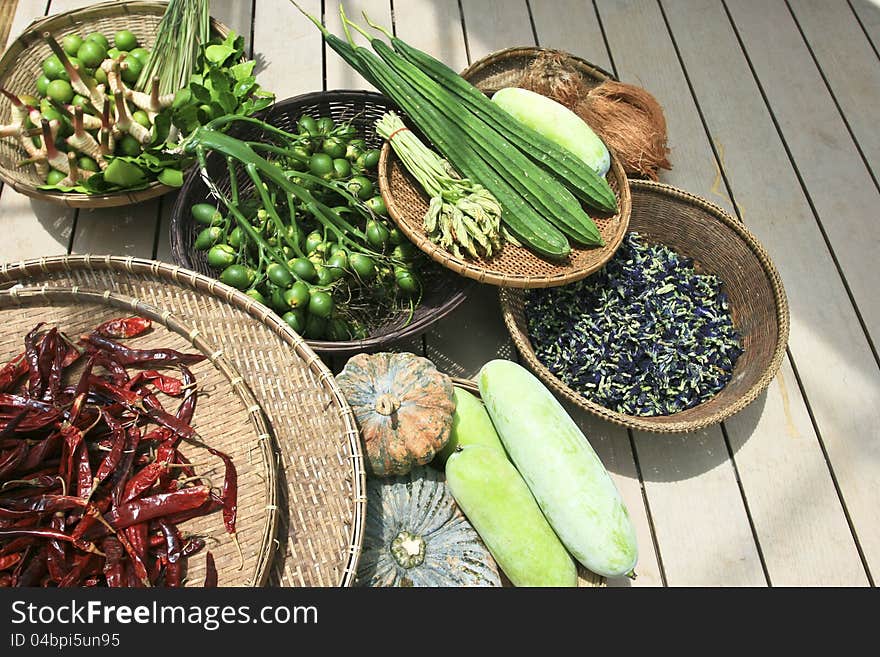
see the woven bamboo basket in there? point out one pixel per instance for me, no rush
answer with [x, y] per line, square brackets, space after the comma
[240, 430]
[20, 67]
[586, 578]
[442, 291]
[720, 245]
[317, 451]
[512, 266]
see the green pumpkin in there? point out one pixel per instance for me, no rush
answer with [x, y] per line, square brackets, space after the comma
[415, 535]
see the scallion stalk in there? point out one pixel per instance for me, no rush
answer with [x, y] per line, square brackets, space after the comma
[184, 27]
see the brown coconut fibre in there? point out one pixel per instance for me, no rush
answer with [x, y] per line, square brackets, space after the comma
[627, 118]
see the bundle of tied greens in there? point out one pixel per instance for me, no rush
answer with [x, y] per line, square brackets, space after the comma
[462, 214]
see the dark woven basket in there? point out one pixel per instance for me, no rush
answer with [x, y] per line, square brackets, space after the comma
[720, 245]
[443, 291]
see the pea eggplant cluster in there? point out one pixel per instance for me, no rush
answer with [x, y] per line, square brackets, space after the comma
[305, 230]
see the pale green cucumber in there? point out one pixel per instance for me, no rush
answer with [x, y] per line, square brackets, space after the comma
[498, 504]
[471, 425]
[557, 123]
[561, 469]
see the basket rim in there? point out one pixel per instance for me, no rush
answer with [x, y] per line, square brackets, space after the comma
[649, 424]
[519, 51]
[171, 322]
[54, 23]
[182, 257]
[14, 272]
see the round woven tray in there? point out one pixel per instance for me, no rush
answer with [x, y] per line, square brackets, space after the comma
[240, 430]
[511, 266]
[443, 291]
[321, 499]
[20, 67]
[586, 578]
[720, 245]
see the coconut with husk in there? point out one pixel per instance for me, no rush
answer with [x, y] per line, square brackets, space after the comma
[626, 117]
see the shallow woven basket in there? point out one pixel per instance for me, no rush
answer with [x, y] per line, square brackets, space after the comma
[512, 266]
[443, 291]
[321, 496]
[586, 578]
[240, 430]
[20, 67]
[719, 245]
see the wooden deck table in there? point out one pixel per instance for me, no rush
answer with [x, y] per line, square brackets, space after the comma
[772, 113]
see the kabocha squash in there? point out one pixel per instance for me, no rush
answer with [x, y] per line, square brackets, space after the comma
[415, 535]
[403, 406]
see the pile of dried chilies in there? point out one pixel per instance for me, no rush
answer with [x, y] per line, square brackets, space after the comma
[93, 484]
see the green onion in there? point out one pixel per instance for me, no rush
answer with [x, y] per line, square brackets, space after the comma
[462, 213]
[184, 27]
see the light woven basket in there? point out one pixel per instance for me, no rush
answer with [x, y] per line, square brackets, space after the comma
[586, 578]
[321, 496]
[720, 245]
[512, 266]
[21, 65]
[241, 430]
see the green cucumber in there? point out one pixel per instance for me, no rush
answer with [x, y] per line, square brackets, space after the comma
[497, 502]
[562, 470]
[471, 425]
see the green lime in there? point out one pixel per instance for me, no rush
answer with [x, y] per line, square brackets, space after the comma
[125, 40]
[80, 101]
[207, 214]
[54, 177]
[71, 43]
[304, 268]
[325, 275]
[53, 68]
[88, 164]
[371, 159]
[341, 168]
[132, 70]
[60, 90]
[313, 240]
[237, 237]
[406, 280]
[140, 116]
[114, 53]
[307, 126]
[129, 146]
[333, 147]
[101, 76]
[100, 38]
[377, 234]
[141, 54]
[91, 54]
[42, 84]
[377, 205]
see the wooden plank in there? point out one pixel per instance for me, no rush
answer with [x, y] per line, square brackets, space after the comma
[699, 517]
[868, 13]
[849, 65]
[339, 74]
[495, 25]
[580, 34]
[434, 27]
[35, 228]
[835, 357]
[288, 48]
[825, 335]
[840, 186]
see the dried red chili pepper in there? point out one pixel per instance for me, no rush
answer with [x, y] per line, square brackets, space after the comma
[32, 355]
[143, 357]
[114, 456]
[10, 461]
[84, 566]
[187, 409]
[167, 384]
[57, 550]
[124, 327]
[123, 471]
[13, 508]
[173, 540]
[173, 574]
[9, 560]
[157, 506]
[33, 572]
[134, 540]
[210, 571]
[12, 371]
